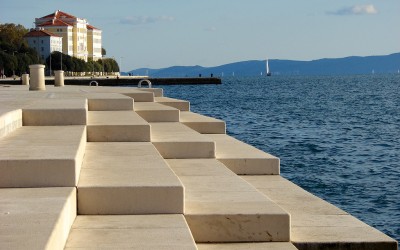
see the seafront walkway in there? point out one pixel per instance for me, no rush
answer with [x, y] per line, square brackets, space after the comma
[127, 168]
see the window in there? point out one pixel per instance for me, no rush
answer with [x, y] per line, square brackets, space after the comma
[42, 49]
[42, 41]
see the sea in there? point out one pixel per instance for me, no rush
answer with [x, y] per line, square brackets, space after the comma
[338, 137]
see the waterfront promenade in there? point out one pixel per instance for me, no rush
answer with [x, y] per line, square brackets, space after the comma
[126, 168]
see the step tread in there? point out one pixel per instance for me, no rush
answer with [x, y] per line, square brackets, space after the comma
[156, 112]
[248, 246]
[182, 105]
[225, 208]
[317, 223]
[115, 118]
[54, 159]
[113, 182]
[203, 124]
[130, 232]
[36, 218]
[242, 158]
[177, 141]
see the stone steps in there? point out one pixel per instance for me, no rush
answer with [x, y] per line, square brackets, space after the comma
[221, 207]
[55, 112]
[109, 102]
[175, 103]
[117, 126]
[42, 156]
[36, 218]
[242, 158]
[175, 140]
[127, 178]
[155, 112]
[317, 224]
[165, 232]
[203, 124]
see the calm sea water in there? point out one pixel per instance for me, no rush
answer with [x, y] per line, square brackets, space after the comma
[337, 137]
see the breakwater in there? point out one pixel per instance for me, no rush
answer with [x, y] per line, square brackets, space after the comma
[125, 81]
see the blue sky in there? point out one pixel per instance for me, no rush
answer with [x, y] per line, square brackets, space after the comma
[161, 33]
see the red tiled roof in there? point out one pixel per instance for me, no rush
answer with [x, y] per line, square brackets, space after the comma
[58, 14]
[40, 33]
[90, 27]
[55, 22]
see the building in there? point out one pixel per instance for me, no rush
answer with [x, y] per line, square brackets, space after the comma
[80, 39]
[45, 42]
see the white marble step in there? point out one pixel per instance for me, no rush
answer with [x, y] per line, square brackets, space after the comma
[55, 112]
[36, 218]
[242, 158]
[175, 103]
[165, 232]
[117, 126]
[203, 124]
[156, 112]
[175, 140]
[109, 102]
[222, 207]
[42, 156]
[127, 178]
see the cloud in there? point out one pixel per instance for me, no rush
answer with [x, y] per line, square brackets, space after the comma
[210, 29]
[367, 9]
[138, 20]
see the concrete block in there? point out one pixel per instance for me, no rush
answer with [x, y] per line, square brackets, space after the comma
[127, 178]
[316, 224]
[55, 112]
[117, 126]
[45, 156]
[203, 124]
[167, 232]
[10, 120]
[175, 103]
[175, 140]
[139, 96]
[158, 92]
[109, 102]
[242, 158]
[225, 208]
[155, 112]
[36, 218]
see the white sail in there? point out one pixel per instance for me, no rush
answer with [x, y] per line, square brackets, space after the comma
[267, 67]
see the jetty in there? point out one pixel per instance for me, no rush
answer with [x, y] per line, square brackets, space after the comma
[123, 80]
[96, 167]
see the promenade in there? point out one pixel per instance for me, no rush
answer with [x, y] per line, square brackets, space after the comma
[94, 167]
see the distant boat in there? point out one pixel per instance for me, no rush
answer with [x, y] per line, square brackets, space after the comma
[268, 73]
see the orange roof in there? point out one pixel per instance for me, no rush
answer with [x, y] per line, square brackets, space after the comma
[55, 22]
[39, 33]
[90, 27]
[59, 14]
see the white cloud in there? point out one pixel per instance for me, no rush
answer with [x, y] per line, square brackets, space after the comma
[367, 9]
[137, 20]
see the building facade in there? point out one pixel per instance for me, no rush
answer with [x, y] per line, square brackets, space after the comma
[80, 39]
[44, 42]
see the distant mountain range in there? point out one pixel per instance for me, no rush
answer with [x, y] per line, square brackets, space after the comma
[337, 66]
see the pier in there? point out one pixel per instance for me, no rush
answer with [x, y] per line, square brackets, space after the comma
[97, 167]
[124, 80]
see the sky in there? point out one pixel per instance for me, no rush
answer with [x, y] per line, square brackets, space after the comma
[163, 33]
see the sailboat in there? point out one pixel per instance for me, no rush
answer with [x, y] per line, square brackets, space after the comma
[268, 73]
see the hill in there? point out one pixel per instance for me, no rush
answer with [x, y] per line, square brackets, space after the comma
[326, 66]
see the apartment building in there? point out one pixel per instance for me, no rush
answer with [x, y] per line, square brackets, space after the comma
[44, 42]
[80, 39]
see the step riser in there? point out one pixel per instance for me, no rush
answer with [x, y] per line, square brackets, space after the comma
[253, 166]
[130, 201]
[110, 104]
[159, 116]
[10, 121]
[185, 150]
[207, 128]
[118, 133]
[54, 117]
[239, 228]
